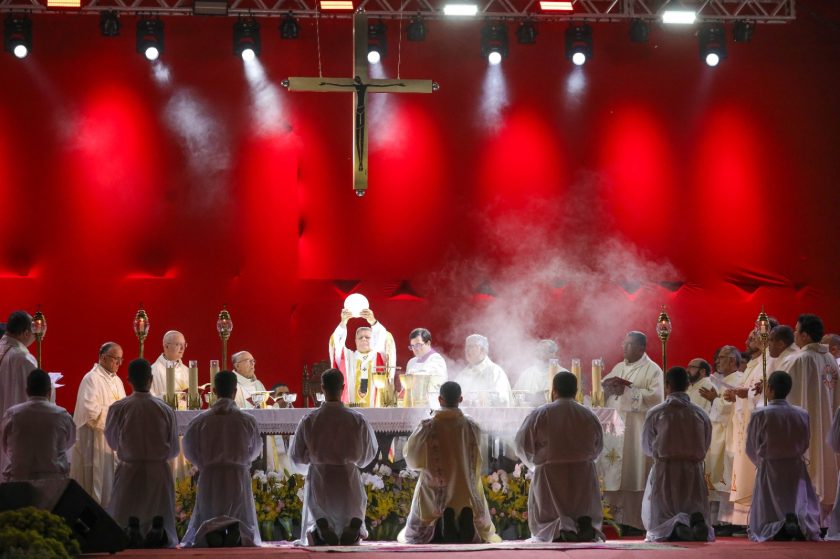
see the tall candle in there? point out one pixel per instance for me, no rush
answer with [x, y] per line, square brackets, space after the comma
[214, 368]
[170, 384]
[576, 372]
[597, 391]
[193, 386]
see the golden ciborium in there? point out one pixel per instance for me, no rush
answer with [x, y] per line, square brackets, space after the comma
[381, 383]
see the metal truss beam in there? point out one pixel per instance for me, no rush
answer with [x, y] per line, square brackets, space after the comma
[757, 11]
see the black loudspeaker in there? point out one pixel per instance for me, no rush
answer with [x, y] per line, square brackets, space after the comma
[96, 530]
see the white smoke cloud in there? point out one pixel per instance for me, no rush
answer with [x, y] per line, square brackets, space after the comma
[494, 98]
[267, 110]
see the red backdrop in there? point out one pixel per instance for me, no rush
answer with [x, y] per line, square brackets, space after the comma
[541, 201]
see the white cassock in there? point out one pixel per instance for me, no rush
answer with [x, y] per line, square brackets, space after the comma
[94, 462]
[814, 373]
[15, 365]
[143, 432]
[677, 435]
[445, 450]
[646, 392]
[36, 436]
[485, 384]
[222, 442]
[344, 359]
[834, 442]
[695, 397]
[333, 441]
[776, 441]
[182, 376]
[560, 442]
[432, 364]
[720, 457]
[245, 387]
[536, 380]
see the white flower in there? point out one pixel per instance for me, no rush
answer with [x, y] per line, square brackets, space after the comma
[517, 471]
[384, 470]
[300, 494]
[260, 476]
[496, 487]
[273, 476]
[529, 475]
[503, 476]
[494, 477]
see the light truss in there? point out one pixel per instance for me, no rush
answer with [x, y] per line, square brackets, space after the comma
[757, 11]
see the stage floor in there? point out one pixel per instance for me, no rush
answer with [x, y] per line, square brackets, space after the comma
[630, 548]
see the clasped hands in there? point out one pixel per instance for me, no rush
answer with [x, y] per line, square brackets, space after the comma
[731, 394]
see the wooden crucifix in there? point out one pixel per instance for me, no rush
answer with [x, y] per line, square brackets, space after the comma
[360, 84]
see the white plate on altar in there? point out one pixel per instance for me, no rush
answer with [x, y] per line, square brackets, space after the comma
[356, 303]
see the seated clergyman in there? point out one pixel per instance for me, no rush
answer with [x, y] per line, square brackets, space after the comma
[449, 503]
[333, 442]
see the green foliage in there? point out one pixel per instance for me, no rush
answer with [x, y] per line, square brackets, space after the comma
[31, 532]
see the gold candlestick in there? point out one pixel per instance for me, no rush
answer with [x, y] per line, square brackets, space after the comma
[39, 328]
[597, 398]
[224, 326]
[663, 330]
[193, 399]
[762, 327]
[577, 373]
[141, 328]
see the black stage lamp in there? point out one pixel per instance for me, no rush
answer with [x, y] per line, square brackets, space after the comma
[246, 38]
[579, 44]
[494, 42]
[149, 41]
[289, 28]
[17, 35]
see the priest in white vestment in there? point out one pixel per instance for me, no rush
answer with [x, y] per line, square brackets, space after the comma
[426, 361]
[784, 505]
[244, 366]
[677, 435]
[333, 442]
[358, 365]
[449, 495]
[814, 372]
[746, 399]
[560, 442]
[174, 345]
[633, 387]
[15, 363]
[834, 519]
[833, 343]
[483, 382]
[698, 370]
[536, 379]
[94, 462]
[36, 435]
[143, 432]
[719, 458]
[222, 442]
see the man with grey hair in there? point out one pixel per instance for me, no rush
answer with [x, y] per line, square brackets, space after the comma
[537, 378]
[174, 345]
[244, 366]
[93, 463]
[634, 386]
[483, 382]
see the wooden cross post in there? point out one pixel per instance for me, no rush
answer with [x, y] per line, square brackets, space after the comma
[360, 84]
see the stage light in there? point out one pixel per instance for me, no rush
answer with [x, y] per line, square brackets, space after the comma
[150, 38]
[210, 7]
[246, 38]
[109, 24]
[549, 6]
[460, 9]
[579, 44]
[289, 28]
[416, 30]
[676, 13]
[712, 39]
[377, 43]
[333, 5]
[494, 42]
[639, 31]
[742, 32]
[526, 34]
[17, 35]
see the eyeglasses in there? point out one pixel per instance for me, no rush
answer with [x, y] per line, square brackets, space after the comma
[181, 345]
[416, 346]
[114, 358]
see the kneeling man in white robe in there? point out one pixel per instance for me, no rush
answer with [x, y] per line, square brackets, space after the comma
[143, 432]
[222, 442]
[560, 441]
[449, 503]
[334, 442]
[36, 434]
[785, 505]
[677, 435]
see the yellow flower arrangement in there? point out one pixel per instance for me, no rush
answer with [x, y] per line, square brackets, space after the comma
[389, 497]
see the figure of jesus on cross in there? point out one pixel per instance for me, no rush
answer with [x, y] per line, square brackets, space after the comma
[360, 84]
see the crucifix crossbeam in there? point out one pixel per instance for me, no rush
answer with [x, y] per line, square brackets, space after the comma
[360, 84]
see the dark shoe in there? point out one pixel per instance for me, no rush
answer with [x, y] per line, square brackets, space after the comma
[350, 535]
[156, 538]
[135, 538]
[586, 532]
[232, 536]
[566, 536]
[792, 528]
[325, 532]
[216, 538]
[466, 525]
[699, 528]
[450, 530]
[681, 533]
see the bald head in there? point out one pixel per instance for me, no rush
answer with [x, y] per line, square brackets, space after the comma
[174, 344]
